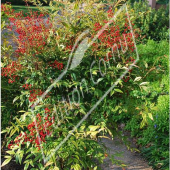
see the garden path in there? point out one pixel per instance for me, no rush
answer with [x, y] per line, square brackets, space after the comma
[132, 160]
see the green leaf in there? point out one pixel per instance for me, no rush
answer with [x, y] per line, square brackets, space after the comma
[16, 98]
[4, 131]
[40, 166]
[13, 131]
[26, 166]
[94, 72]
[146, 65]
[18, 121]
[76, 6]
[22, 111]
[138, 78]
[20, 154]
[74, 29]
[70, 161]
[100, 79]
[93, 128]
[112, 92]
[28, 144]
[76, 167]
[7, 156]
[65, 24]
[10, 152]
[144, 83]
[28, 156]
[31, 162]
[150, 116]
[75, 144]
[103, 137]
[38, 157]
[23, 117]
[49, 163]
[6, 161]
[118, 90]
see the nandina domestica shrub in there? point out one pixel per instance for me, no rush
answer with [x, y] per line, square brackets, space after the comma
[51, 109]
[33, 32]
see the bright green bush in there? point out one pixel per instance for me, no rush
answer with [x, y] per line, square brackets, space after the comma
[152, 24]
[156, 135]
[149, 121]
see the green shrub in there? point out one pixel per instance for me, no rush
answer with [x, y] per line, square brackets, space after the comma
[23, 2]
[149, 121]
[42, 56]
[153, 24]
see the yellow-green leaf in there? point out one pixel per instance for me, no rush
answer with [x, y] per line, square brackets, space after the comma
[22, 111]
[150, 116]
[138, 78]
[10, 152]
[15, 99]
[93, 128]
[6, 161]
[49, 163]
[118, 90]
[56, 168]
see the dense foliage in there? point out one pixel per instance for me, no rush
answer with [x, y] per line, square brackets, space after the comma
[148, 120]
[24, 2]
[148, 21]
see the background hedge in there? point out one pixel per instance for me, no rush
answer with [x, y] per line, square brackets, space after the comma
[22, 2]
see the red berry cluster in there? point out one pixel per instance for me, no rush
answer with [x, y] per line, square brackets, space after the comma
[126, 79]
[34, 94]
[110, 12]
[43, 128]
[7, 9]
[38, 131]
[47, 110]
[33, 32]
[18, 139]
[69, 47]
[56, 64]
[27, 86]
[112, 35]
[130, 60]
[10, 71]
[97, 26]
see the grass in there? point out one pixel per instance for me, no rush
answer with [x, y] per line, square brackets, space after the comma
[26, 9]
